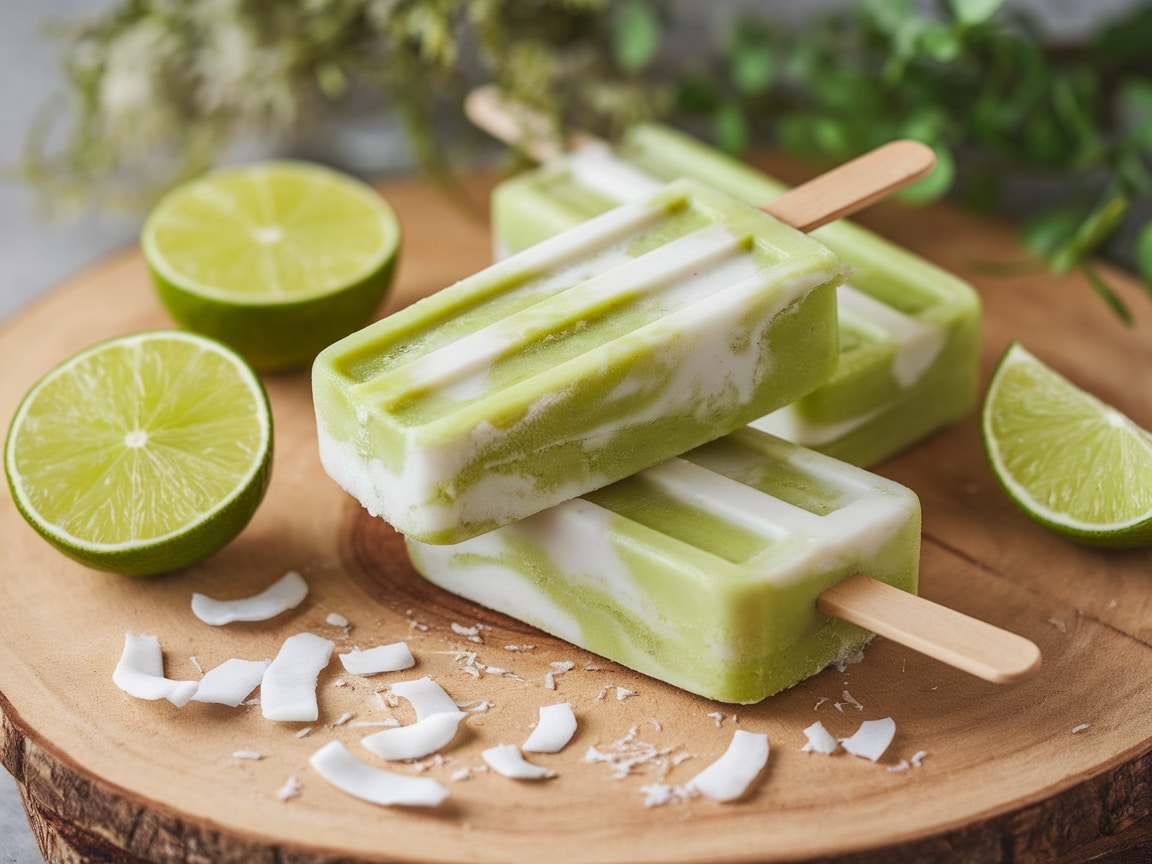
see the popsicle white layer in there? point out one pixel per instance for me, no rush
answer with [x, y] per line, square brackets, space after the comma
[637, 335]
[702, 571]
[909, 331]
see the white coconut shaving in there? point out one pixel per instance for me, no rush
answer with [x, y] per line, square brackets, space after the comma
[820, 740]
[288, 691]
[383, 658]
[507, 761]
[285, 593]
[140, 672]
[427, 697]
[336, 764]
[554, 730]
[416, 740]
[730, 776]
[231, 682]
[290, 789]
[337, 620]
[871, 739]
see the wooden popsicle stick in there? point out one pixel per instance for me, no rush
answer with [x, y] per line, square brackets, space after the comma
[944, 634]
[839, 192]
[854, 185]
[519, 125]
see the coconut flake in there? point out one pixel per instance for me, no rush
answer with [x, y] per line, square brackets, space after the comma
[730, 776]
[284, 594]
[555, 729]
[820, 740]
[383, 658]
[288, 691]
[417, 740]
[231, 682]
[427, 697]
[871, 739]
[508, 761]
[336, 764]
[253, 755]
[140, 672]
[336, 620]
[290, 789]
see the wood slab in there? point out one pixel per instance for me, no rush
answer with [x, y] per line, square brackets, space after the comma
[1052, 769]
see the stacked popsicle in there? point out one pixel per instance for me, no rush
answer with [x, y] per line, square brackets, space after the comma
[619, 361]
[909, 331]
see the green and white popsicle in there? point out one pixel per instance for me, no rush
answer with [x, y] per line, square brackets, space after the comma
[632, 337]
[734, 572]
[909, 331]
[704, 571]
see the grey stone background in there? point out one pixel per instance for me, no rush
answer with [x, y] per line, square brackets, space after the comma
[38, 251]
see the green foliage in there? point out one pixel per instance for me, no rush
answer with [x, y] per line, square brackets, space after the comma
[159, 87]
[979, 86]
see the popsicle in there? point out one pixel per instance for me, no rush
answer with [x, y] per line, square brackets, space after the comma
[628, 339]
[909, 331]
[733, 572]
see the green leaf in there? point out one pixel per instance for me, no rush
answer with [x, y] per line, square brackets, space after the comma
[888, 16]
[1093, 231]
[940, 43]
[731, 126]
[636, 35]
[1104, 290]
[972, 12]
[1049, 230]
[1144, 252]
[1135, 101]
[753, 62]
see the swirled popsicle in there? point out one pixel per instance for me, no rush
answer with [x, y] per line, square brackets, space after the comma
[702, 571]
[733, 571]
[644, 332]
[909, 331]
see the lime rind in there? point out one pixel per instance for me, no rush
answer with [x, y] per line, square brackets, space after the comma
[1065, 458]
[201, 533]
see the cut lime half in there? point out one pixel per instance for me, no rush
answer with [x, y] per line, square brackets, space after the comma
[1067, 459]
[276, 259]
[142, 454]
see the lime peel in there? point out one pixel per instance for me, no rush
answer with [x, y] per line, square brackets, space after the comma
[1066, 459]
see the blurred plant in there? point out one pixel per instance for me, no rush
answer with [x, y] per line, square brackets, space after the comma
[158, 88]
[976, 83]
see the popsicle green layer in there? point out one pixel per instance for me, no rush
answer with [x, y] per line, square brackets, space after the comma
[909, 331]
[702, 571]
[630, 338]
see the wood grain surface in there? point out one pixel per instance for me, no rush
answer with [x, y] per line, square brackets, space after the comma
[1055, 768]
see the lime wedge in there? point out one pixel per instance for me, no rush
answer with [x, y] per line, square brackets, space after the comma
[276, 259]
[142, 454]
[1067, 459]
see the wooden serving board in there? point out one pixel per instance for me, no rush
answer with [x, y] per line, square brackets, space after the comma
[1052, 769]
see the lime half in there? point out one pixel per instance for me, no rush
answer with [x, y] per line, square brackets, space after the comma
[142, 454]
[1067, 459]
[276, 259]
